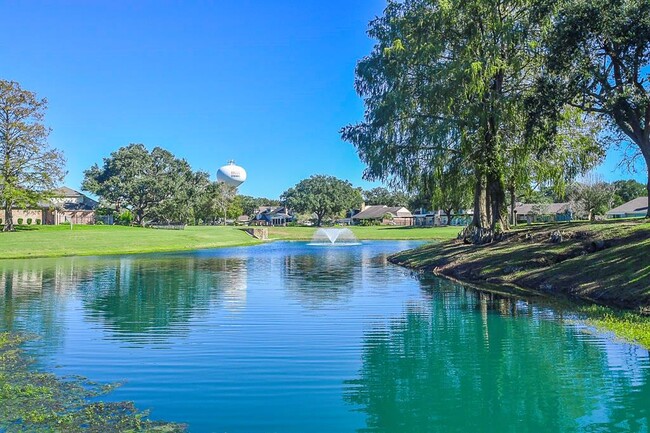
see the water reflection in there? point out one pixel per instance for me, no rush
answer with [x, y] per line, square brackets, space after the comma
[504, 367]
[324, 277]
[152, 296]
[287, 337]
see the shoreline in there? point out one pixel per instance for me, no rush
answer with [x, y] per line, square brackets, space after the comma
[606, 266]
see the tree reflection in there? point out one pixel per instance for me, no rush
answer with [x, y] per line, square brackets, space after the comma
[321, 278]
[441, 369]
[140, 297]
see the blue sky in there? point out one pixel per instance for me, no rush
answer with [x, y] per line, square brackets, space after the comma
[266, 83]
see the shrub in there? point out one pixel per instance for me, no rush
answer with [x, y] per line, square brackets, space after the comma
[20, 221]
[99, 223]
[0, 220]
[125, 218]
[38, 221]
[29, 221]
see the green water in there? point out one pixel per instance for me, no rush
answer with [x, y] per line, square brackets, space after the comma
[288, 337]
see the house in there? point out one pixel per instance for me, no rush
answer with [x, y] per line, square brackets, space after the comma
[68, 205]
[382, 214]
[425, 218]
[633, 208]
[543, 212]
[272, 216]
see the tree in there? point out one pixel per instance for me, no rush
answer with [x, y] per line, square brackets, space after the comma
[29, 168]
[598, 57]
[383, 196]
[251, 204]
[217, 203]
[592, 196]
[448, 79]
[152, 185]
[325, 196]
[626, 190]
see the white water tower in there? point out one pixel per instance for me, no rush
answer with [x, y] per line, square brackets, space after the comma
[231, 174]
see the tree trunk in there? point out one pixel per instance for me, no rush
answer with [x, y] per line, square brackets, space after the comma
[9, 216]
[319, 220]
[647, 164]
[448, 213]
[512, 207]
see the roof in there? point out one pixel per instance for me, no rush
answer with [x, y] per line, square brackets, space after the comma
[378, 211]
[543, 208]
[64, 191]
[638, 205]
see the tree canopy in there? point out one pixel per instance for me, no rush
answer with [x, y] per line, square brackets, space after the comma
[325, 196]
[29, 168]
[597, 58]
[445, 88]
[154, 186]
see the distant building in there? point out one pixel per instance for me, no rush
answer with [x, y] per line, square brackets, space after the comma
[424, 218]
[543, 212]
[382, 214]
[67, 206]
[633, 208]
[272, 216]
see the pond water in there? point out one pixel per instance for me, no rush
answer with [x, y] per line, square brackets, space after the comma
[285, 337]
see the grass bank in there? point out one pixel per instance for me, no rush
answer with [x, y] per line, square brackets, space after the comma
[34, 401]
[607, 263]
[82, 240]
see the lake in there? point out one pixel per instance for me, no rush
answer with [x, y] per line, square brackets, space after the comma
[288, 337]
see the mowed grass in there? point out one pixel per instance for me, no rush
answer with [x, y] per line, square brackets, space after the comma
[82, 240]
[371, 233]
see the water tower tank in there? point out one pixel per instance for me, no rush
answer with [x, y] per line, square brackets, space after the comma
[231, 174]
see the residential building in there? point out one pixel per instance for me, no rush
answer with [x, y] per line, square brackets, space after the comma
[67, 206]
[633, 208]
[543, 212]
[382, 214]
[424, 218]
[272, 216]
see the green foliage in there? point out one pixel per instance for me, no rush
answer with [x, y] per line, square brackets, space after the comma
[250, 204]
[154, 186]
[29, 168]
[29, 221]
[325, 196]
[592, 197]
[384, 196]
[597, 59]
[33, 401]
[125, 218]
[38, 221]
[626, 190]
[20, 221]
[444, 90]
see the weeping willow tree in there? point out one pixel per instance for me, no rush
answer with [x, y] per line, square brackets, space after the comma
[445, 81]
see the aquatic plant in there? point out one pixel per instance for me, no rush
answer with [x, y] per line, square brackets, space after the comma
[34, 401]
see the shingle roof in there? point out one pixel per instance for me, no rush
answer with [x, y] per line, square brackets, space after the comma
[543, 208]
[638, 205]
[378, 211]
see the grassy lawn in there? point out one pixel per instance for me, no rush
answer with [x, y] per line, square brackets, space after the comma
[371, 233]
[55, 241]
[82, 240]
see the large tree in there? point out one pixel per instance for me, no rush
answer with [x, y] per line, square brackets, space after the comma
[29, 168]
[448, 79]
[325, 196]
[384, 196]
[598, 59]
[154, 186]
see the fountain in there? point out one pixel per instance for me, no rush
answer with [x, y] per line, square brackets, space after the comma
[331, 236]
